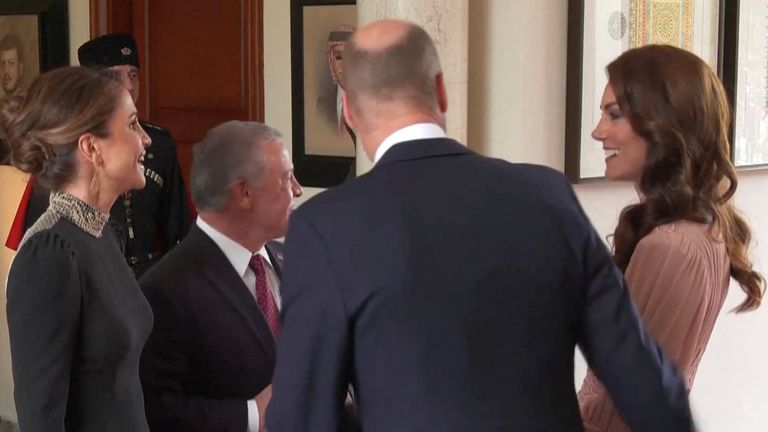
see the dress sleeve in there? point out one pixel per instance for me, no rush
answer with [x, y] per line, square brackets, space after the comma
[667, 277]
[44, 295]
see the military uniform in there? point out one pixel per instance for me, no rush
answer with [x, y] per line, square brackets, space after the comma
[152, 220]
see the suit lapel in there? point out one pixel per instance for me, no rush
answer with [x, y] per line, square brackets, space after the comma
[275, 252]
[217, 269]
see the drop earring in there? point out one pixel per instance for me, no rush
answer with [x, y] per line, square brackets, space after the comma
[95, 180]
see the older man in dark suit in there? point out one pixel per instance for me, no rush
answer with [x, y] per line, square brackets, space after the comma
[208, 363]
[449, 288]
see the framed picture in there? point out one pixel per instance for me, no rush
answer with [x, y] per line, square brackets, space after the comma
[323, 146]
[745, 76]
[33, 39]
[598, 32]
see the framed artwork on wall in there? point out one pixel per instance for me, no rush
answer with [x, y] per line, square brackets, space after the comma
[598, 32]
[323, 146]
[745, 76]
[33, 39]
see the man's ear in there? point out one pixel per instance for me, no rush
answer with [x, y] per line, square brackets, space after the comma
[441, 93]
[346, 109]
[239, 193]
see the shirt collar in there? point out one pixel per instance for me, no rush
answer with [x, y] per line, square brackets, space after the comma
[236, 254]
[409, 133]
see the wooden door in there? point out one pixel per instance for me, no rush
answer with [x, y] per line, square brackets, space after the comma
[201, 62]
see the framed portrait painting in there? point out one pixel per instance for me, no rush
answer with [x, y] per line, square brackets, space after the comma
[745, 76]
[33, 39]
[598, 32]
[323, 145]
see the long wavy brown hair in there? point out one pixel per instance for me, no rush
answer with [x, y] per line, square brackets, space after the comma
[677, 104]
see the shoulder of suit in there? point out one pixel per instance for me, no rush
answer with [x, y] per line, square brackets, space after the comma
[151, 127]
[172, 270]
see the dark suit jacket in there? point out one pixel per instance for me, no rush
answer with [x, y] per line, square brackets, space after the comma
[451, 289]
[211, 349]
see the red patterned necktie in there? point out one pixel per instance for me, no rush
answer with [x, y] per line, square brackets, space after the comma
[264, 295]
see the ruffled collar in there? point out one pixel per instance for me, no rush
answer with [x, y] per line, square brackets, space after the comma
[80, 213]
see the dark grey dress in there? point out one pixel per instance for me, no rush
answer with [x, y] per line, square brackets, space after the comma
[78, 323]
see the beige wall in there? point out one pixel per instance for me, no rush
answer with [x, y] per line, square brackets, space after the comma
[14, 182]
[79, 27]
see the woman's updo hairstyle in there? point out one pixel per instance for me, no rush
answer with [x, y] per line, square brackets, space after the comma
[43, 127]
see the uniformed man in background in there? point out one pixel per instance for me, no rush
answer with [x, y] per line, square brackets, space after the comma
[153, 219]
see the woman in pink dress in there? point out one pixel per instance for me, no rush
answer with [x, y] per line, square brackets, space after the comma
[664, 127]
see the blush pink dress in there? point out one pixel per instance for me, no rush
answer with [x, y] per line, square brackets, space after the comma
[678, 278]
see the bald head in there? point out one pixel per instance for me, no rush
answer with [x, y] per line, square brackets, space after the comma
[391, 61]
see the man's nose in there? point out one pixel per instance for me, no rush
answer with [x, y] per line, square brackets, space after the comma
[296, 188]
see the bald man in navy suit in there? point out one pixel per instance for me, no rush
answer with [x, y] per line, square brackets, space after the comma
[451, 289]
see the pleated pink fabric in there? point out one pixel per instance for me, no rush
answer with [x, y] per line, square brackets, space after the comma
[678, 278]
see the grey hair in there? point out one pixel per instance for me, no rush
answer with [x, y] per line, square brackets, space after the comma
[229, 152]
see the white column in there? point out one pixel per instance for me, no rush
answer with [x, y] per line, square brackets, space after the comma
[446, 21]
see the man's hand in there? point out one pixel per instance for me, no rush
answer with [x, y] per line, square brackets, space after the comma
[262, 400]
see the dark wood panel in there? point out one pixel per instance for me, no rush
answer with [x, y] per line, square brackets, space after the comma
[208, 63]
[201, 62]
[111, 16]
[192, 125]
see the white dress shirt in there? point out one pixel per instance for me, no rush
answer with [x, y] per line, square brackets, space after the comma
[239, 257]
[409, 133]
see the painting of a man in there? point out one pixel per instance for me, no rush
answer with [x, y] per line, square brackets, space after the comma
[325, 32]
[11, 65]
[337, 39]
[19, 63]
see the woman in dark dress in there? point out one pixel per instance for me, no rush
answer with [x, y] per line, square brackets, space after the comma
[77, 319]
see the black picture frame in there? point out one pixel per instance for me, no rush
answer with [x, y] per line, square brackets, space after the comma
[575, 77]
[729, 67]
[573, 90]
[728, 56]
[53, 27]
[310, 169]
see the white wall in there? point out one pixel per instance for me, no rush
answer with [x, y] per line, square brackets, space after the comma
[517, 110]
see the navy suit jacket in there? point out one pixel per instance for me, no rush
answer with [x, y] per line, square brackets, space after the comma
[451, 290]
[211, 348]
